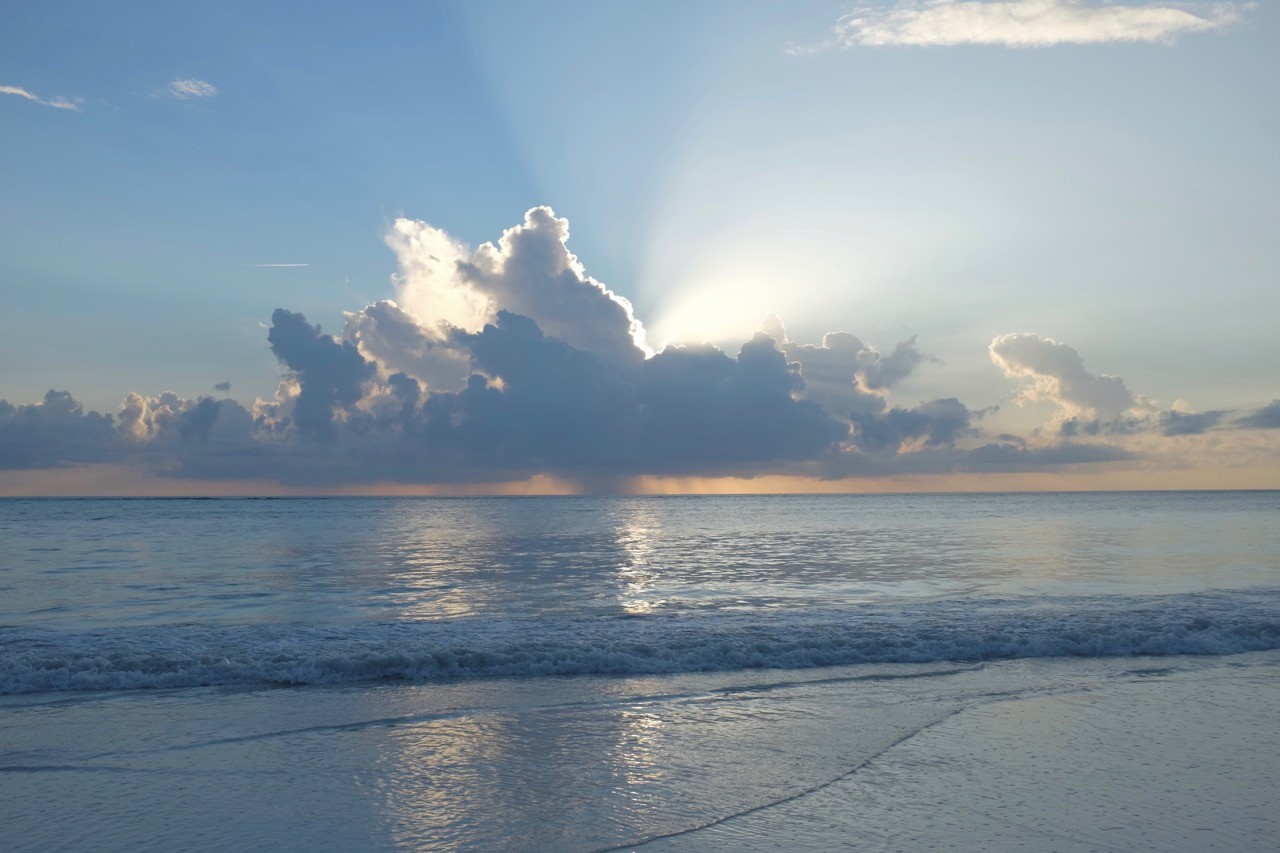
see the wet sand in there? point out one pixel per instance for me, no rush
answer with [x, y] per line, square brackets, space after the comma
[1167, 761]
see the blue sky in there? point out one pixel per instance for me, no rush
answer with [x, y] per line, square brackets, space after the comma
[866, 168]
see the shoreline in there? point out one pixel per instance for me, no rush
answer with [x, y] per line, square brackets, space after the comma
[1168, 761]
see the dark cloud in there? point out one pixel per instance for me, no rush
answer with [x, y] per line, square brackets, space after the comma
[1268, 417]
[538, 404]
[888, 370]
[197, 421]
[544, 404]
[1016, 456]
[936, 424]
[331, 375]
[830, 373]
[1188, 423]
[59, 431]
[1169, 423]
[223, 387]
[844, 375]
[1073, 427]
[54, 432]
[704, 409]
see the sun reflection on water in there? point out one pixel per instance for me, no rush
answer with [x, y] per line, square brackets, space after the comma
[638, 575]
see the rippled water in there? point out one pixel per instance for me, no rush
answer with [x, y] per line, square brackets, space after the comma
[726, 653]
[87, 564]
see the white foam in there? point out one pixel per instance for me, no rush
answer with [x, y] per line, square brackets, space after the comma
[191, 655]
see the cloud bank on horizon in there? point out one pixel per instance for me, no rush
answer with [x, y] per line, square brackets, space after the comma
[508, 361]
[1025, 23]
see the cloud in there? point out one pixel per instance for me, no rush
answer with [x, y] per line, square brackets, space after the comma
[845, 375]
[1268, 417]
[1026, 23]
[165, 433]
[330, 375]
[188, 88]
[1089, 405]
[529, 272]
[1055, 372]
[935, 424]
[279, 265]
[59, 102]
[399, 342]
[1014, 456]
[223, 387]
[509, 362]
[1188, 423]
[53, 432]
[887, 371]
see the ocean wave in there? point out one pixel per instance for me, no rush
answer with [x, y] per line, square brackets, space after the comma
[177, 656]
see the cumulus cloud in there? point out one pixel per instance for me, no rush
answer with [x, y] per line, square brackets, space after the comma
[844, 375]
[184, 89]
[1089, 405]
[59, 102]
[1026, 23]
[1055, 372]
[330, 375]
[55, 431]
[166, 432]
[399, 342]
[509, 361]
[529, 272]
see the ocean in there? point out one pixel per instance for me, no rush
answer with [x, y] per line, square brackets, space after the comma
[591, 673]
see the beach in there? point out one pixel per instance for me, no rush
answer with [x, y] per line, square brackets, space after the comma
[1154, 754]
[1167, 759]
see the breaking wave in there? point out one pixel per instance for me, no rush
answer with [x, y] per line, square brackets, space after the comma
[175, 656]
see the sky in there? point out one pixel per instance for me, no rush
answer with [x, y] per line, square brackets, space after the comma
[422, 248]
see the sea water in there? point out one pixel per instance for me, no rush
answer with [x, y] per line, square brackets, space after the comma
[569, 673]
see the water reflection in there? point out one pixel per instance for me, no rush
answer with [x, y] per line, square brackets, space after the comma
[637, 750]
[333, 561]
[585, 771]
[639, 574]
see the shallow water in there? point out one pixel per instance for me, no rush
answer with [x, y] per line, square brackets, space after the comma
[581, 763]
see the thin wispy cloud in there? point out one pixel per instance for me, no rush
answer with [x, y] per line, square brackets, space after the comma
[59, 102]
[1024, 23]
[186, 89]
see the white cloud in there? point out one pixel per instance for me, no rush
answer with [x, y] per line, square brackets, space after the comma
[58, 103]
[191, 88]
[1026, 23]
[529, 272]
[1055, 371]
